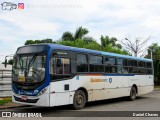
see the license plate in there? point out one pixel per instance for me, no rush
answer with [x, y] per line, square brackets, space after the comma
[24, 97]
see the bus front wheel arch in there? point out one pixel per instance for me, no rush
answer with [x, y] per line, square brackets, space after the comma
[79, 99]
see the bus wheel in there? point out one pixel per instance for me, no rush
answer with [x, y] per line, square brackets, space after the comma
[133, 93]
[79, 100]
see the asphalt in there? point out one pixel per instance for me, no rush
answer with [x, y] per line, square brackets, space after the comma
[112, 109]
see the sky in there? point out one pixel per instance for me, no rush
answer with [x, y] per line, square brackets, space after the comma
[42, 19]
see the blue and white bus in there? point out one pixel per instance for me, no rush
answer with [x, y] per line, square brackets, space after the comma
[54, 75]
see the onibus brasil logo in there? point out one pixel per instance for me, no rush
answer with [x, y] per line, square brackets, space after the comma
[10, 6]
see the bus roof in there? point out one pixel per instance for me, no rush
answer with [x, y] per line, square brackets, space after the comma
[83, 50]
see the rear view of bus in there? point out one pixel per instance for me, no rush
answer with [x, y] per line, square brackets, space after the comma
[29, 79]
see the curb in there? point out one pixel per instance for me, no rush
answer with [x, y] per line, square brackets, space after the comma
[8, 107]
[6, 98]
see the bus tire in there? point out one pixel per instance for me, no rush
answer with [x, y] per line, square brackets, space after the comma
[133, 93]
[79, 100]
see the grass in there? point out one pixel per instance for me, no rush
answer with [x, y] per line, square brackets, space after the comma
[156, 87]
[3, 102]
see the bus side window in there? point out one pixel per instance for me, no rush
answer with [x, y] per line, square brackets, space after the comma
[110, 65]
[149, 65]
[149, 70]
[61, 66]
[133, 63]
[96, 63]
[122, 66]
[141, 67]
[133, 66]
[81, 63]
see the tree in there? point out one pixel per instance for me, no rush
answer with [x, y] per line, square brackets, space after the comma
[79, 39]
[28, 42]
[106, 41]
[81, 44]
[47, 41]
[88, 39]
[67, 36]
[10, 62]
[79, 34]
[138, 47]
[155, 48]
[92, 45]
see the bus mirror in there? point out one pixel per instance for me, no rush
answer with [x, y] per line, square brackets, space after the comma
[59, 62]
[5, 63]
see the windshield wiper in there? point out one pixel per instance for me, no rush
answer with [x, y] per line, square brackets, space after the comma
[32, 61]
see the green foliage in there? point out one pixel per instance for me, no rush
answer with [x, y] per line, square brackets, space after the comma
[112, 49]
[81, 44]
[89, 39]
[67, 36]
[10, 62]
[80, 40]
[93, 45]
[106, 42]
[155, 48]
[28, 42]
[79, 34]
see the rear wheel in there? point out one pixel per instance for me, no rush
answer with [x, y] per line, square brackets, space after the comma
[133, 93]
[79, 100]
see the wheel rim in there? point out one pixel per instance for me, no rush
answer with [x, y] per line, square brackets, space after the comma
[79, 99]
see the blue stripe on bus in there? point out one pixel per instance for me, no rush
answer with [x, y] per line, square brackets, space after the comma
[107, 74]
[119, 74]
[126, 56]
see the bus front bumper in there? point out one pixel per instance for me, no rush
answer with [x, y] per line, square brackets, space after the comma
[42, 100]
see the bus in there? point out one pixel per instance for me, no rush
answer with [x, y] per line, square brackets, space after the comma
[53, 75]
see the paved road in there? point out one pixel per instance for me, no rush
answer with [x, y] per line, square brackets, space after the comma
[148, 102]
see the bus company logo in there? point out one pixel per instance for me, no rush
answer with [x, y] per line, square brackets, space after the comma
[94, 80]
[110, 80]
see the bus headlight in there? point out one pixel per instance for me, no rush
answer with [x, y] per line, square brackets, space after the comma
[42, 91]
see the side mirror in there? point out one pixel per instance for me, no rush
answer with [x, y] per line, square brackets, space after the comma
[59, 62]
[5, 63]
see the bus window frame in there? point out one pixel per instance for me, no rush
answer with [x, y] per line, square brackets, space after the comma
[89, 57]
[71, 75]
[122, 65]
[108, 56]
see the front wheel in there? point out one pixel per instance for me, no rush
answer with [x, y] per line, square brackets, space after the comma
[133, 93]
[79, 100]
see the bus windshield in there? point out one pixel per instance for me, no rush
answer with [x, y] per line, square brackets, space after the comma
[29, 68]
